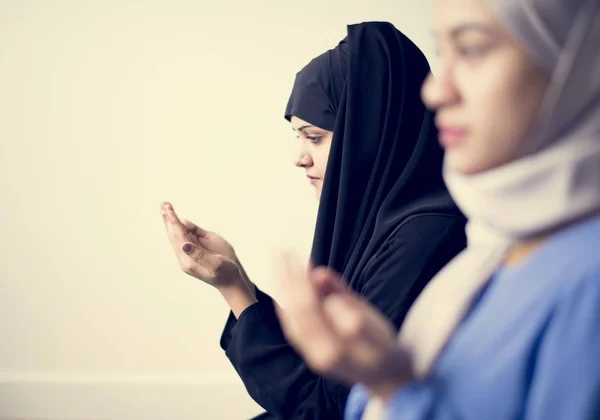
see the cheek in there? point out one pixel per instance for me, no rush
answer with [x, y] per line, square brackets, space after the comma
[501, 104]
[322, 156]
[320, 163]
[427, 92]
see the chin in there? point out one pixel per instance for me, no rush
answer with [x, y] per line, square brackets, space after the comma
[318, 193]
[467, 165]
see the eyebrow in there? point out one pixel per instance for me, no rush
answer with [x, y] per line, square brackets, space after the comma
[471, 26]
[303, 127]
[457, 31]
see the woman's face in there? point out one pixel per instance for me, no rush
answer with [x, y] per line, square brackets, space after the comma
[488, 91]
[312, 152]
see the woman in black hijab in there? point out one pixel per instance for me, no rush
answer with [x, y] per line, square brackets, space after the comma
[385, 219]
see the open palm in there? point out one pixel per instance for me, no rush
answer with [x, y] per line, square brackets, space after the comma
[201, 254]
[210, 241]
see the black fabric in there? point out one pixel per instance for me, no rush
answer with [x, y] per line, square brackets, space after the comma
[318, 88]
[263, 416]
[385, 163]
[385, 219]
[277, 378]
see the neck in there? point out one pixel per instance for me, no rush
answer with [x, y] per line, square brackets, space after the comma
[523, 249]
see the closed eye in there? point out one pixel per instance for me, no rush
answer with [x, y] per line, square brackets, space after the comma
[473, 51]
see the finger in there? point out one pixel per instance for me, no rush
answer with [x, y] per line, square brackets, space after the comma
[199, 260]
[286, 276]
[193, 228]
[163, 212]
[302, 317]
[171, 215]
[346, 316]
[311, 336]
[327, 281]
[297, 288]
[293, 280]
[192, 238]
[369, 338]
[287, 322]
[164, 208]
[289, 270]
[356, 319]
[175, 228]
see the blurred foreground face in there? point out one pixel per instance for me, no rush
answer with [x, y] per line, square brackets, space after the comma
[487, 92]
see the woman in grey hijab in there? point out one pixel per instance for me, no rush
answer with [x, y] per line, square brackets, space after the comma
[510, 329]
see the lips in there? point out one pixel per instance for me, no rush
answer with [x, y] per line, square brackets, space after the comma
[312, 179]
[451, 136]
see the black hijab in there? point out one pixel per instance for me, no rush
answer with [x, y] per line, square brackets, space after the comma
[385, 163]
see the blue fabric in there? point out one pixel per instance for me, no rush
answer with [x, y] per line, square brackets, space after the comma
[529, 348]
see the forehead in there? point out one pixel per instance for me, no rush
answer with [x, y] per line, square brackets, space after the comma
[450, 14]
[300, 124]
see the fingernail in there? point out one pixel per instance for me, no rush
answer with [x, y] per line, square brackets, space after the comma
[187, 248]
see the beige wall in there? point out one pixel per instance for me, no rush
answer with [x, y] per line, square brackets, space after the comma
[106, 109]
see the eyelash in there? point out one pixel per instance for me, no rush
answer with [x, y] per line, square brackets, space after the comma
[313, 139]
[471, 52]
[466, 52]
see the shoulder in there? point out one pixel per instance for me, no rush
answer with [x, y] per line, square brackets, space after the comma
[409, 257]
[567, 265]
[427, 228]
[573, 252]
[420, 245]
[569, 269]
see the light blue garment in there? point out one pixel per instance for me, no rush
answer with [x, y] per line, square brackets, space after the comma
[529, 348]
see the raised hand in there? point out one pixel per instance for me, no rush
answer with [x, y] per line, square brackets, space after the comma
[338, 333]
[201, 254]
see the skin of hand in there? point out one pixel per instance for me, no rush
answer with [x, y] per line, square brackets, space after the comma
[338, 333]
[210, 258]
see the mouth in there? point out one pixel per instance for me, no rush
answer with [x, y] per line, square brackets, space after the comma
[312, 179]
[451, 136]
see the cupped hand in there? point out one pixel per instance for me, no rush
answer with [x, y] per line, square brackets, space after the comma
[201, 254]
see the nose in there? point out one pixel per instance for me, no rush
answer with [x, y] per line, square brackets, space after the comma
[302, 158]
[439, 91]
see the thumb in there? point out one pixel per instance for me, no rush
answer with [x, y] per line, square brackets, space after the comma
[201, 262]
[194, 228]
[348, 315]
[327, 281]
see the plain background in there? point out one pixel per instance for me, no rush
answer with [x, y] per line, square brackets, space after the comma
[107, 108]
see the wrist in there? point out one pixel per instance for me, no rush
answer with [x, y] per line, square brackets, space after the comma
[395, 375]
[245, 277]
[385, 390]
[238, 296]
